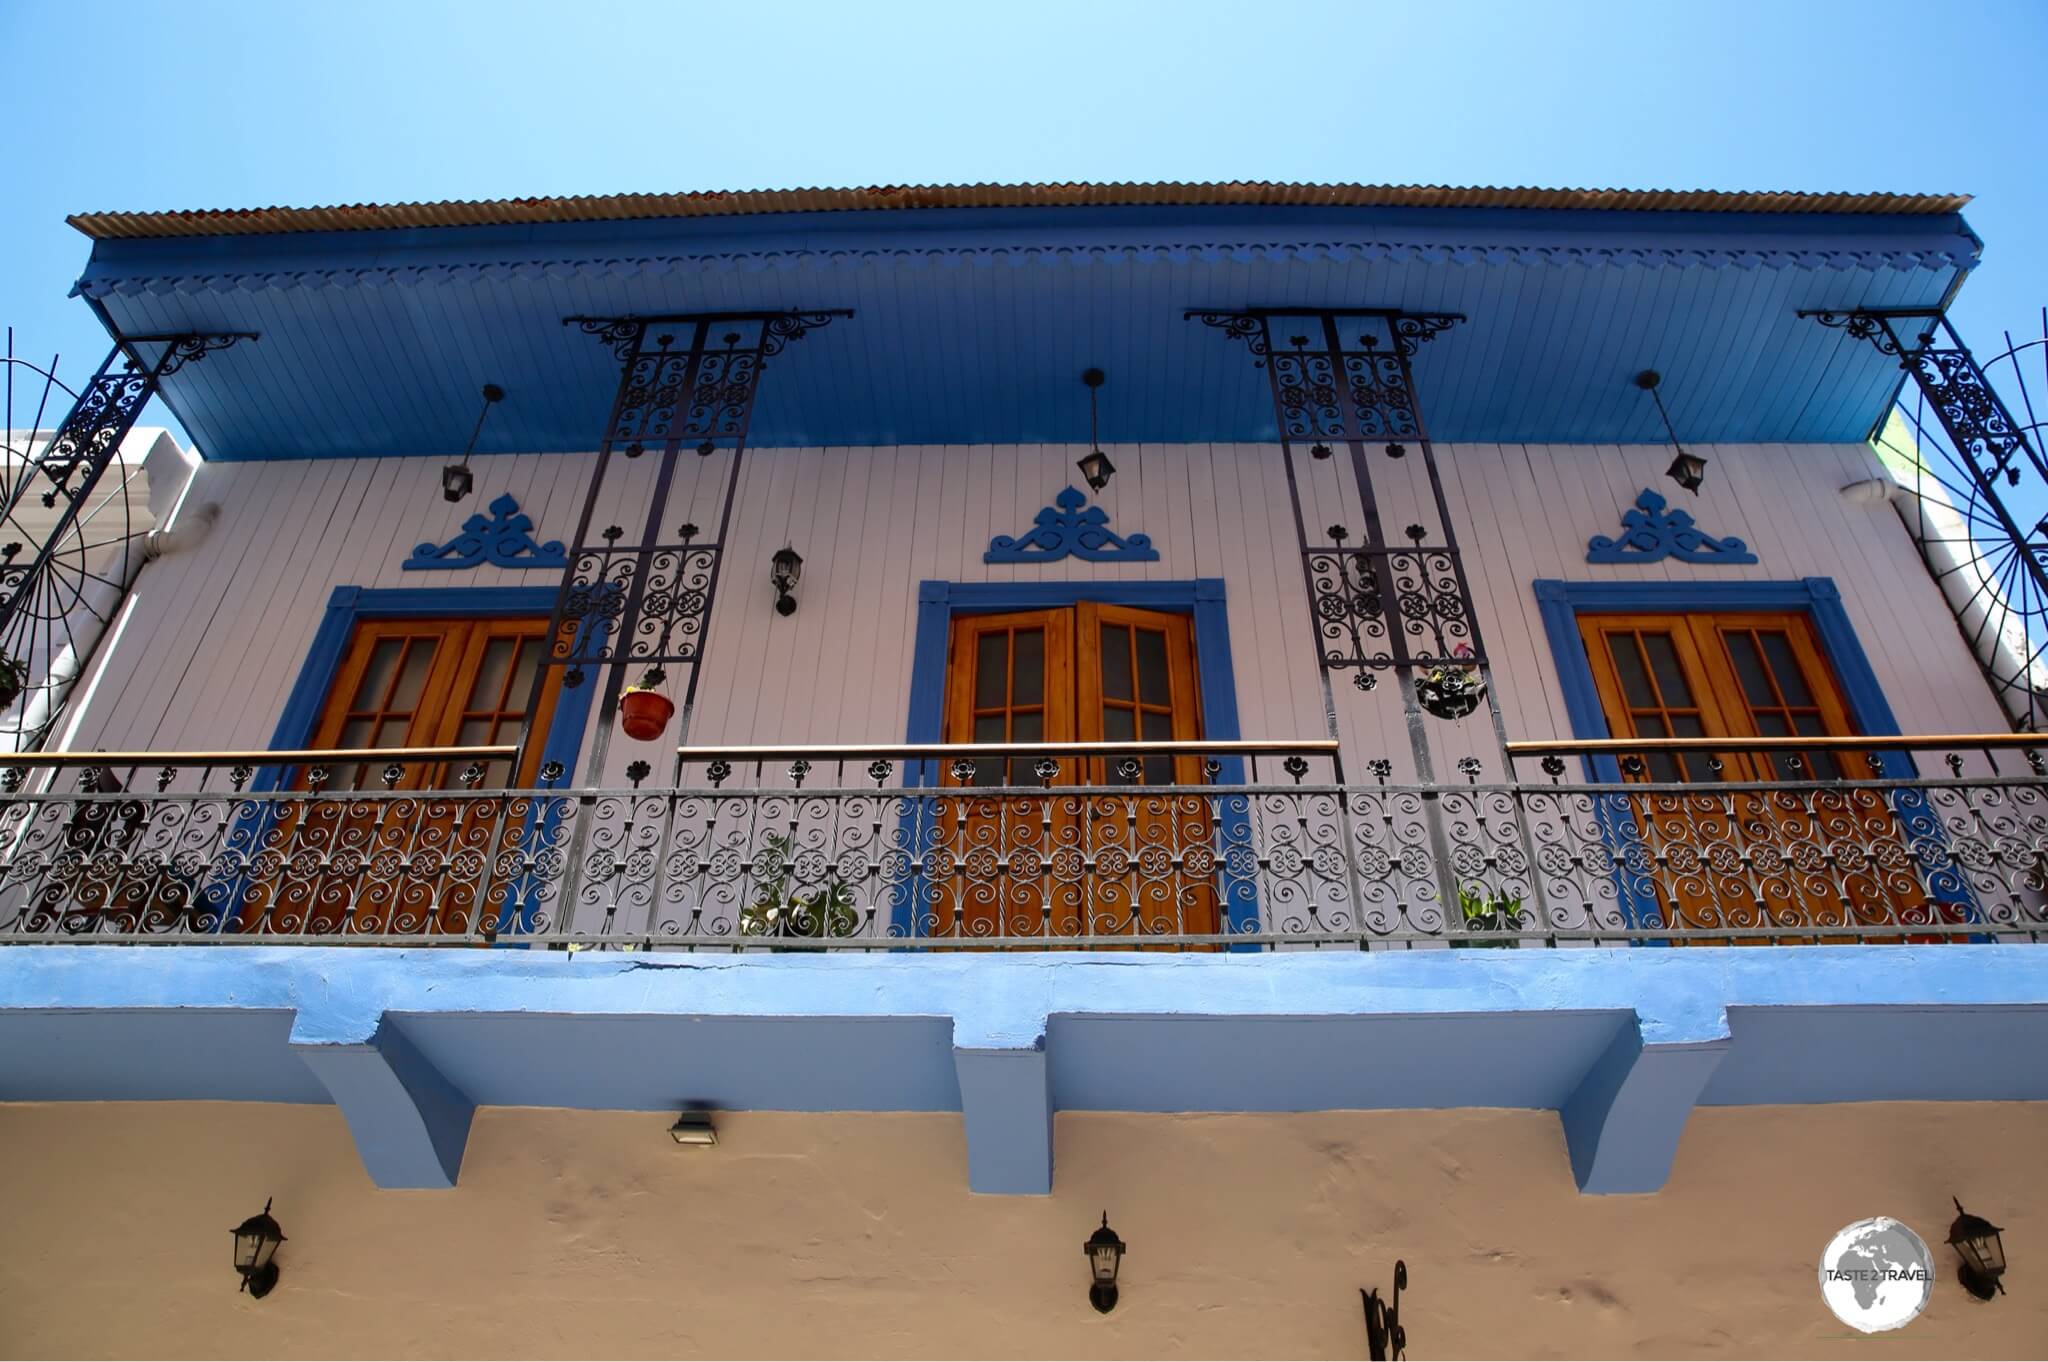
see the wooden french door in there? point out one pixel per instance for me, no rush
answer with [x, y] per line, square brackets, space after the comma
[1749, 859]
[408, 683]
[1061, 864]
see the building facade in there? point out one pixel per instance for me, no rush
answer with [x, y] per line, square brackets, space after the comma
[1234, 712]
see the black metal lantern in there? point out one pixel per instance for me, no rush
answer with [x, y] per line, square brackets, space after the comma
[256, 1241]
[456, 480]
[1980, 1245]
[1687, 470]
[783, 572]
[1095, 465]
[1105, 1258]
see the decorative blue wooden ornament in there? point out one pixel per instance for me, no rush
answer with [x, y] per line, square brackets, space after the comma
[1063, 529]
[1654, 533]
[503, 539]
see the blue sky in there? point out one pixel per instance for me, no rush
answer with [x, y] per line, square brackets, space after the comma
[200, 104]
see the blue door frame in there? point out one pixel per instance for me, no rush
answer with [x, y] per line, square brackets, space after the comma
[1821, 602]
[349, 605]
[1201, 598]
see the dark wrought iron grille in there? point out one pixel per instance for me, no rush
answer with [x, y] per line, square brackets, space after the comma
[1970, 466]
[826, 849]
[41, 574]
[687, 386]
[1344, 378]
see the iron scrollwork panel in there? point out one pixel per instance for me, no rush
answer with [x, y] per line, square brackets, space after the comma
[1380, 608]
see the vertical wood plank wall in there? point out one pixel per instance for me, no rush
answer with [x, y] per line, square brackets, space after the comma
[218, 633]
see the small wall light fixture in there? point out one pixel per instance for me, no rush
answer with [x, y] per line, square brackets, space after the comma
[256, 1241]
[1385, 1339]
[455, 477]
[1105, 1258]
[784, 571]
[694, 1127]
[1094, 465]
[644, 711]
[1687, 470]
[1982, 1248]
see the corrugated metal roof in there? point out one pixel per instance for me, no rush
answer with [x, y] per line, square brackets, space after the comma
[1248, 193]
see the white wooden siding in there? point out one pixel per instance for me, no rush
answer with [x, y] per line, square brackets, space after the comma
[220, 631]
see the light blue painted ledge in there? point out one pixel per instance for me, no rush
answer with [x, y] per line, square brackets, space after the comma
[1621, 1043]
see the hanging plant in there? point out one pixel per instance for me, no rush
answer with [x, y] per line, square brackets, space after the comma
[1449, 692]
[644, 711]
[1488, 912]
[827, 912]
[13, 679]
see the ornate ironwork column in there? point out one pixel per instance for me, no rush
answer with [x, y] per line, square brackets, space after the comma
[687, 386]
[2007, 602]
[1342, 377]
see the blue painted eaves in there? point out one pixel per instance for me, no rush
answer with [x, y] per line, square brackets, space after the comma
[973, 326]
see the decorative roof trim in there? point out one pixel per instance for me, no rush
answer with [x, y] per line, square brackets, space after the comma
[103, 281]
[361, 217]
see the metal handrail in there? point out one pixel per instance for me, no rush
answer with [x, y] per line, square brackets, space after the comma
[934, 751]
[294, 756]
[1862, 743]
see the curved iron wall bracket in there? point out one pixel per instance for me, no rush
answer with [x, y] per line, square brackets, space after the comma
[1987, 447]
[70, 466]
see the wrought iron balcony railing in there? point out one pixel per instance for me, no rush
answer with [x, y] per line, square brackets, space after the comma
[1231, 845]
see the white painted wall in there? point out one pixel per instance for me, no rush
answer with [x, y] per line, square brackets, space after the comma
[590, 1234]
[218, 634]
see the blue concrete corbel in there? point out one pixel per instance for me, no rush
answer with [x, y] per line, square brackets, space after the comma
[409, 1122]
[1623, 1121]
[1005, 1101]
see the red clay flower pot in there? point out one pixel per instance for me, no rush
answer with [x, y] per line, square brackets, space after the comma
[644, 714]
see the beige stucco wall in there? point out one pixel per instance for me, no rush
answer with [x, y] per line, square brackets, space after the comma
[590, 1234]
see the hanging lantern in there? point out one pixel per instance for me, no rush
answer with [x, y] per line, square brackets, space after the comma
[1105, 1259]
[644, 711]
[1687, 470]
[1982, 1248]
[456, 479]
[1094, 465]
[256, 1241]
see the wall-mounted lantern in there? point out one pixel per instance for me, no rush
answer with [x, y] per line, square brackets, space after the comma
[1981, 1246]
[784, 571]
[1687, 470]
[693, 1127]
[644, 711]
[1105, 1259]
[456, 480]
[256, 1241]
[1094, 465]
